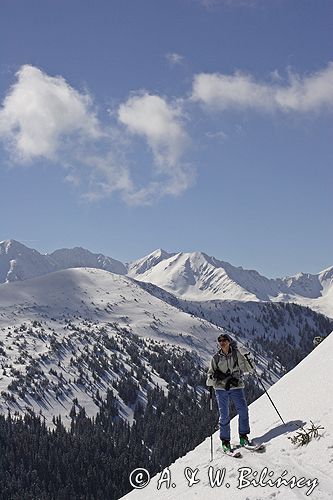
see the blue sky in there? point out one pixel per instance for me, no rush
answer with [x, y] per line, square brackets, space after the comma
[127, 126]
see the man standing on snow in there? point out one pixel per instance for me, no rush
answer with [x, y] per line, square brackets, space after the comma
[225, 375]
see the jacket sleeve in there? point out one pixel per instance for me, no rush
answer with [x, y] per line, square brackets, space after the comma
[211, 380]
[246, 362]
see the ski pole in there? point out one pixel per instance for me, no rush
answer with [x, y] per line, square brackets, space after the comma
[258, 378]
[211, 409]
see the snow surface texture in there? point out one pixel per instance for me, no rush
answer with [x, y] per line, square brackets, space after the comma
[301, 395]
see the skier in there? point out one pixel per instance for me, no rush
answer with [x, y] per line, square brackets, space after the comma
[225, 375]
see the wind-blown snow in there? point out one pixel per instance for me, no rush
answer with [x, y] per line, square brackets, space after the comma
[302, 395]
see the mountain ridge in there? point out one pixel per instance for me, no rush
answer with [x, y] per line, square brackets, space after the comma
[187, 275]
[19, 262]
[197, 277]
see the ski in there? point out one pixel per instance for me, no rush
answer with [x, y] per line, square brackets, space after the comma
[256, 448]
[233, 453]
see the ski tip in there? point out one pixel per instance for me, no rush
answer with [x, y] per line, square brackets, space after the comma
[259, 448]
[233, 454]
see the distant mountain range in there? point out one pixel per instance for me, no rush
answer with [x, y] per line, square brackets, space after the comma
[198, 277]
[191, 276]
[18, 262]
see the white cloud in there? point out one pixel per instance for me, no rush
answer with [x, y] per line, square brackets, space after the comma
[301, 94]
[174, 58]
[160, 124]
[39, 111]
[43, 117]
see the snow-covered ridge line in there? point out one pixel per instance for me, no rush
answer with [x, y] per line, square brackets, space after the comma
[192, 276]
[18, 262]
[198, 277]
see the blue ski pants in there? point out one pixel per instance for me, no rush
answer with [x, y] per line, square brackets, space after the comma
[237, 396]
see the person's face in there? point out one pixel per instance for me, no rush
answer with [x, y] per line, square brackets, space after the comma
[224, 343]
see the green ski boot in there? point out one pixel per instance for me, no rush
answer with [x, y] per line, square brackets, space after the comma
[244, 440]
[226, 446]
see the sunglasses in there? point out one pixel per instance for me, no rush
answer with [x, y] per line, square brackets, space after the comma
[224, 340]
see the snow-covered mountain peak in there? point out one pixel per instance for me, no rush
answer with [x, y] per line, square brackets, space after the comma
[143, 265]
[18, 262]
[159, 253]
[66, 258]
[197, 276]
[12, 246]
[326, 274]
[200, 277]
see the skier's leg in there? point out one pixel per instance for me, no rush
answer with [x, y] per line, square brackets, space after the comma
[238, 397]
[222, 397]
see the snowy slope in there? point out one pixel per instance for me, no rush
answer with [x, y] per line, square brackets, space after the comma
[300, 396]
[103, 296]
[198, 277]
[59, 321]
